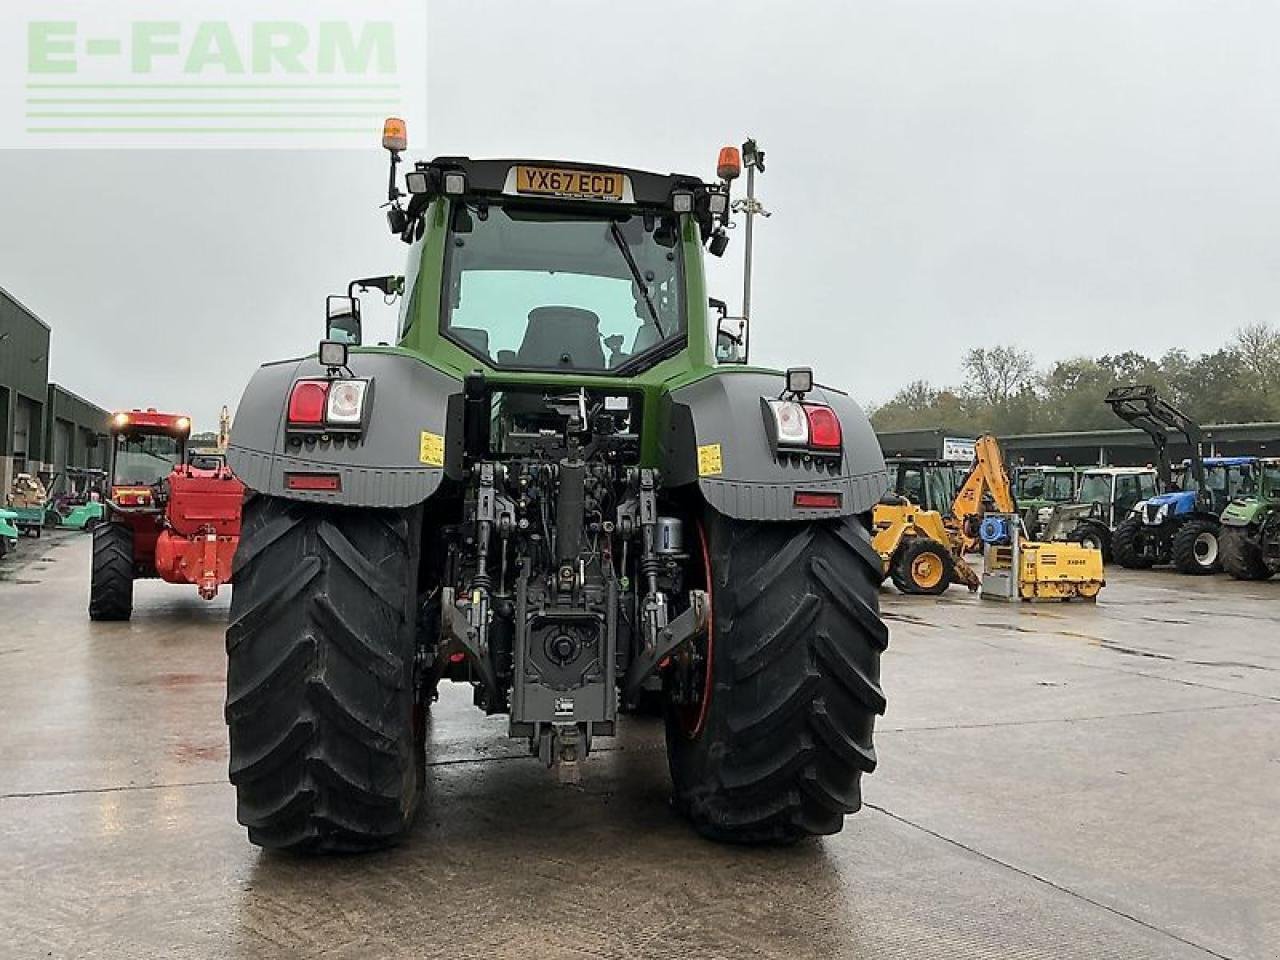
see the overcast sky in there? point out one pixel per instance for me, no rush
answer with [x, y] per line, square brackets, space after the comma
[1066, 176]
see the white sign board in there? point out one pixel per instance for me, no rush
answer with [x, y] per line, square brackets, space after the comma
[958, 450]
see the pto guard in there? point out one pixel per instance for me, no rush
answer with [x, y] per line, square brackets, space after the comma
[714, 434]
[203, 529]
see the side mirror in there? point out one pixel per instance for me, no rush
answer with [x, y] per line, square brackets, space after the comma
[342, 319]
[731, 339]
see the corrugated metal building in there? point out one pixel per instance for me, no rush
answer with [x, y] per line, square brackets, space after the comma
[43, 427]
[1124, 447]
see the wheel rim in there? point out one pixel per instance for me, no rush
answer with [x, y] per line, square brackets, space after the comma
[926, 571]
[1206, 549]
[1091, 542]
[693, 718]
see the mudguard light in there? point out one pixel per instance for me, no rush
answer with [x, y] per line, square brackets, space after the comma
[307, 402]
[346, 402]
[824, 427]
[791, 426]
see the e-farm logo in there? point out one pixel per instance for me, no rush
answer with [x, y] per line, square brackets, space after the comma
[268, 73]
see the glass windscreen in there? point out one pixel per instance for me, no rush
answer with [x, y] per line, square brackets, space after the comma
[1095, 488]
[145, 459]
[546, 290]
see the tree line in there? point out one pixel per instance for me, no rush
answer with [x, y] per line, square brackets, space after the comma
[1004, 392]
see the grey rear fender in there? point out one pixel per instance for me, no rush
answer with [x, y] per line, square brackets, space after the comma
[714, 434]
[396, 461]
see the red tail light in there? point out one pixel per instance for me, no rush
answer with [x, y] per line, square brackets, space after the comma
[307, 402]
[824, 428]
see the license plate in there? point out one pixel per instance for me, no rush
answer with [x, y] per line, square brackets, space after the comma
[562, 182]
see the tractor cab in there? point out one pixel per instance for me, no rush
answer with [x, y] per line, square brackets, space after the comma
[930, 484]
[145, 447]
[1044, 485]
[1115, 491]
[1225, 479]
[1038, 489]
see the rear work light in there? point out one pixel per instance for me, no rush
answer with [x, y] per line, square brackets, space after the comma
[805, 426]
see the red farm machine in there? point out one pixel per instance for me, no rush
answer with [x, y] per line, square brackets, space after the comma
[168, 516]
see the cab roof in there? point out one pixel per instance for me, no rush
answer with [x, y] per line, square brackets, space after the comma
[491, 176]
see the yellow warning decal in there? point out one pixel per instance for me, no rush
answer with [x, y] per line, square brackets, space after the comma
[431, 449]
[710, 462]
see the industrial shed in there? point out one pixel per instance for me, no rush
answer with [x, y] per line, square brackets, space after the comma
[43, 426]
[1122, 448]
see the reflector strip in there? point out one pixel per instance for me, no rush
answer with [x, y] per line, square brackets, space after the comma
[312, 481]
[816, 500]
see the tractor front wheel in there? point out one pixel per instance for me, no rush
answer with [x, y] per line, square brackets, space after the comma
[1195, 548]
[1127, 545]
[923, 566]
[326, 738]
[1241, 556]
[111, 579]
[776, 748]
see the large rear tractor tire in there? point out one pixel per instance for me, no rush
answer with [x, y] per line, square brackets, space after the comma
[1241, 557]
[1127, 545]
[326, 738]
[1195, 548]
[111, 578]
[924, 567]
[776, 749]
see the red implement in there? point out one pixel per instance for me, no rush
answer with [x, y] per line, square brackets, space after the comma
[202, 528]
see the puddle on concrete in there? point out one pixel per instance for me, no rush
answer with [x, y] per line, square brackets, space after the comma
[909, 618]
[1231, 663]
[1133, 652]
[1009, 627]
[184, 679]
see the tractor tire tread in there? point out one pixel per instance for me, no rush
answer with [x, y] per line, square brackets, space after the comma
[796, 683]
[1124, 545]
[112, 573]
[907, 555]
[1183, 550]
[1241, 557]
[320, 693]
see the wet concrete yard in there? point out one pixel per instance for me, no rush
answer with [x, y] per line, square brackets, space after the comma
[1059, 781]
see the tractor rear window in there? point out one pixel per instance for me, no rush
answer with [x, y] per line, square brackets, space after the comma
[145, 460]
[546, 290]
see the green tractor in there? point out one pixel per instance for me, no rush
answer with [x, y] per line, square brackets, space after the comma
[1038, 490]
[563, 480]
[1251, 528]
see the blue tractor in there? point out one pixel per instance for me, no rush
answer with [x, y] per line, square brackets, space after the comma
[1180, 525]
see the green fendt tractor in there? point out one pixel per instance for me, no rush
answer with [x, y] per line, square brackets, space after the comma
[1251, 528]
[562, 481]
